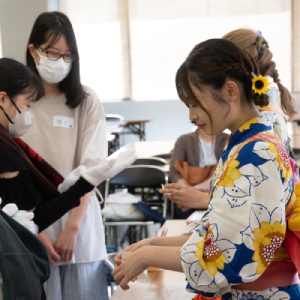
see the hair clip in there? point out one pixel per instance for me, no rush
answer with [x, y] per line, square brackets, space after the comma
[260, 84]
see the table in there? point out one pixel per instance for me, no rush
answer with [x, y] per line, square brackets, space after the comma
[153, 148]
[159, 284]
[137, 127]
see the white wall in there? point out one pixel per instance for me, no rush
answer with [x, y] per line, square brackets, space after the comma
[168, 119]
[16, 20]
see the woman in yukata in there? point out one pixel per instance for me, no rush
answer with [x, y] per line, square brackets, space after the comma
[237, 250]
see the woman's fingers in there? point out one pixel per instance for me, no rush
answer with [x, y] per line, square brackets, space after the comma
[118, 276]
[118, 259]
[124, 283]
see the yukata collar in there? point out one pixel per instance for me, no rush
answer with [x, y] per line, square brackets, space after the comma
[246, 131]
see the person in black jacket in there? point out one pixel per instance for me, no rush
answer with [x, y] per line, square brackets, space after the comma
[31, 183]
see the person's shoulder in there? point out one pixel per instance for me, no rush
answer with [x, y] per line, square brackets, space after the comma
[256, 152]
[186, 137]
[91, 100]
[90, 95]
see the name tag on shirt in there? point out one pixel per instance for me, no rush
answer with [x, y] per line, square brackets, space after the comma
[63, 122]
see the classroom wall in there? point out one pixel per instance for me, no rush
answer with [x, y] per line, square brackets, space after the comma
[16, 20]
[168, 119]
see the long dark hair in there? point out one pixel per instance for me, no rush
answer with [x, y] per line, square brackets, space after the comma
[15, 79]
[50, 26]
[211, 63]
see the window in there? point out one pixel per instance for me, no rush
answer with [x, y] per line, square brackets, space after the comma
[160, 34]
[97, 28]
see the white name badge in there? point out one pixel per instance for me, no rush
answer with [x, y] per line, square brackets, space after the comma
[62, 121]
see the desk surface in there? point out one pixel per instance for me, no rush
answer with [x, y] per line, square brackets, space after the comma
[160, 284]
[134, 122]
[156, 285]
[152, 148]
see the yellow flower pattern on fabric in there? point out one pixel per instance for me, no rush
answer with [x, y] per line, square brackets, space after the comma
[248, 124]
[282, 160]
[294, 218]
[230, 175]
[209, 256]
[267, 240]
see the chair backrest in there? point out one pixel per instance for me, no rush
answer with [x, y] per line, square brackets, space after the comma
[114, 122]
[165, 156]
[142, 176]
[114, 118]
[144, 180]
[154, 161]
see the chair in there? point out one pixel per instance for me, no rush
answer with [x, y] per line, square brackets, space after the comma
[165, 156]
[114, 126]
[154, 161]
[145, 180]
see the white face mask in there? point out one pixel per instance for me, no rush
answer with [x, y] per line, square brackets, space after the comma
[53, 71]
[22, 123]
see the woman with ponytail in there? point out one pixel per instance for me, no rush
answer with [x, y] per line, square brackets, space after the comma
[278, 105]
[236, 252]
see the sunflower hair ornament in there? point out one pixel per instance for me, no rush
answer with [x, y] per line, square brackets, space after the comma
[260, 84]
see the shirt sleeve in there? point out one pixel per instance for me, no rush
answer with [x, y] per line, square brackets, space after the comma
[245, 223]
[178, 153]
[47, 212]
[92, 142]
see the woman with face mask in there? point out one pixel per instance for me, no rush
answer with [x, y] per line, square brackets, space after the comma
[29, 183]
[69, 131]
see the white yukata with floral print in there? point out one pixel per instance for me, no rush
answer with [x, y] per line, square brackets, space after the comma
[245, 223]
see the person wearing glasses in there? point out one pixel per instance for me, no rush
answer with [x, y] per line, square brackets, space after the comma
[69, 131]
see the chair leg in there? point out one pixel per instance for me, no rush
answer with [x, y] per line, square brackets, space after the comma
[126, 236]
[165, 207]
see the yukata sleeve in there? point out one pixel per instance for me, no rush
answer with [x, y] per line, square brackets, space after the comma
[245, 222]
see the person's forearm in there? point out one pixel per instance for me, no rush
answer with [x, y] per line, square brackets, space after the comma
[170, 241]
[77, 214]
[46, 213]
[204, 186]
[182, 182]
[163, 257]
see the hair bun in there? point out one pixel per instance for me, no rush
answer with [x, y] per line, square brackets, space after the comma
[260, 100]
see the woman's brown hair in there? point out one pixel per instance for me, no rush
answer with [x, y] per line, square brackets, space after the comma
[213, 62]
[258, 48]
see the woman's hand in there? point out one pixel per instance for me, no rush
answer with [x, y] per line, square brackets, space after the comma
[132, 264]
[139, 244]
[66, 242]
[131, 248]
[54, 256]
[186, 197]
